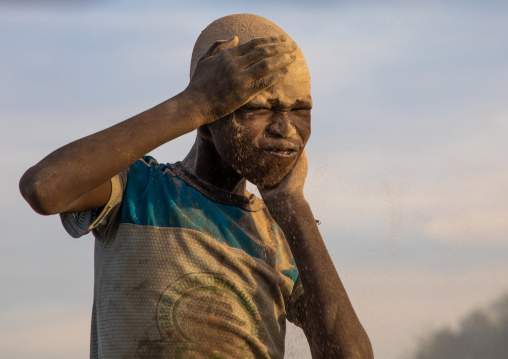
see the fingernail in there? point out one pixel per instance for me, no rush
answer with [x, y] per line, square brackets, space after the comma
[283, 38]
[293, 56]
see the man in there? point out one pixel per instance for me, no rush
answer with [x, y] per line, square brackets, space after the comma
[187, 263]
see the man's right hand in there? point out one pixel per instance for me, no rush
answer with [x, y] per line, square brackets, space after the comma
[229, 75]
[76, 177]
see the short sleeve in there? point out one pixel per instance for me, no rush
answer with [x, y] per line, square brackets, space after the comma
[80, 223]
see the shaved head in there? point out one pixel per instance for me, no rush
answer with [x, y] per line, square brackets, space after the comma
[246, 27]
[261, 139]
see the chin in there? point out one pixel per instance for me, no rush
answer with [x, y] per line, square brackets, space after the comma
[266, 179]
[265, 171]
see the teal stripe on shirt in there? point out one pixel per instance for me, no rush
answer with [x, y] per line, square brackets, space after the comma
[162, 200]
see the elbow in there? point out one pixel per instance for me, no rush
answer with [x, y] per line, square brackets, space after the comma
[33, 190]
[348, 340]
[359, 349]
[363, 349]
[356, 345]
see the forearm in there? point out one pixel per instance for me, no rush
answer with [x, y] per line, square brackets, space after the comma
[225, 79]
[330, 320]
[79, 167]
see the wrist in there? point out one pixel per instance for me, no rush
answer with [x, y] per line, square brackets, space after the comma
[292, 215]
[193, 106]
[283, 201]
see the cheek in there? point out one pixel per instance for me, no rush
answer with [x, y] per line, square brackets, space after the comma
[237, 138]
[303, 126]
[243, 136]
[227, 135]
[235, 146]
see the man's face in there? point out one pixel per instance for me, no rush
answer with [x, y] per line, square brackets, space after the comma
[265, 137]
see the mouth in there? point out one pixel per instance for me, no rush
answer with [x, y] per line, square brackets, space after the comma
[285, 152]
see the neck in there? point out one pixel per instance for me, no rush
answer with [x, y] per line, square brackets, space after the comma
[209, 166]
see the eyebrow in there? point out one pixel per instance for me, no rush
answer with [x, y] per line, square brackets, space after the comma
[276, 103]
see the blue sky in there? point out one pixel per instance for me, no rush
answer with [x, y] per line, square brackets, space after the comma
[408, 164]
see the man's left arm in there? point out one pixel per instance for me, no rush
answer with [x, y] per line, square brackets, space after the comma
[324, 310]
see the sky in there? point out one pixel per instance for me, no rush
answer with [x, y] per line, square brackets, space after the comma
[408, 165]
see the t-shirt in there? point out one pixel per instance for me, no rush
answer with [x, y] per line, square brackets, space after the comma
[184, 269]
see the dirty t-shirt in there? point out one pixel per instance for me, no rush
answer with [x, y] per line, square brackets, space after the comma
[185, 270]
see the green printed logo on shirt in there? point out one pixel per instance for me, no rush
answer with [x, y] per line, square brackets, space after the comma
[210, 314]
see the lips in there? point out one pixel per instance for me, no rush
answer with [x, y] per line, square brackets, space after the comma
[282, 150]
[282, 153]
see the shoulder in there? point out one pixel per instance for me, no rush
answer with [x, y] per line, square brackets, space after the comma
[147, 168]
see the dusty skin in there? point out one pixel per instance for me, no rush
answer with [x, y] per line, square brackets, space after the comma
[249, 97]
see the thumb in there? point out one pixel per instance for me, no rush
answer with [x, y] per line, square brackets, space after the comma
[225, 44]
[219, 46]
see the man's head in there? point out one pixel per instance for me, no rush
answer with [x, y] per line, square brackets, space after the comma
[262, 139]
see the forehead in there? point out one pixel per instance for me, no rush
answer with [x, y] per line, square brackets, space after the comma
[295, 87]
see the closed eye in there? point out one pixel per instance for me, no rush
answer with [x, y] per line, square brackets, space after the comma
[256, 108]
[301, 109]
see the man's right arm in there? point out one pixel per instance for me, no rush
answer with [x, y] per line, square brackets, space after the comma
[76, 177]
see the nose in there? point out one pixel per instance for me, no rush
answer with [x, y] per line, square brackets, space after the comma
[281, 126]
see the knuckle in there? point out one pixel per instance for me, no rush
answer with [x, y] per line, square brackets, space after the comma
[229, 61]
[259, 84]
[238, 82]
[263, 51]
[252, 44]
[263, 66]
[229, 66]
[273, 39]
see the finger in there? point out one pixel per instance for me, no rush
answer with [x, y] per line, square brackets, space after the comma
[225, 45]
[259, 41]
[268, 81]
[303, 161]
[264, 52]
[218, 46]
[300, 168]
[208, 53]
[304, 156]
[267, 66]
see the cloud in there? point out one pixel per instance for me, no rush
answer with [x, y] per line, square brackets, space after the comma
[400, 306]
[481, 334]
